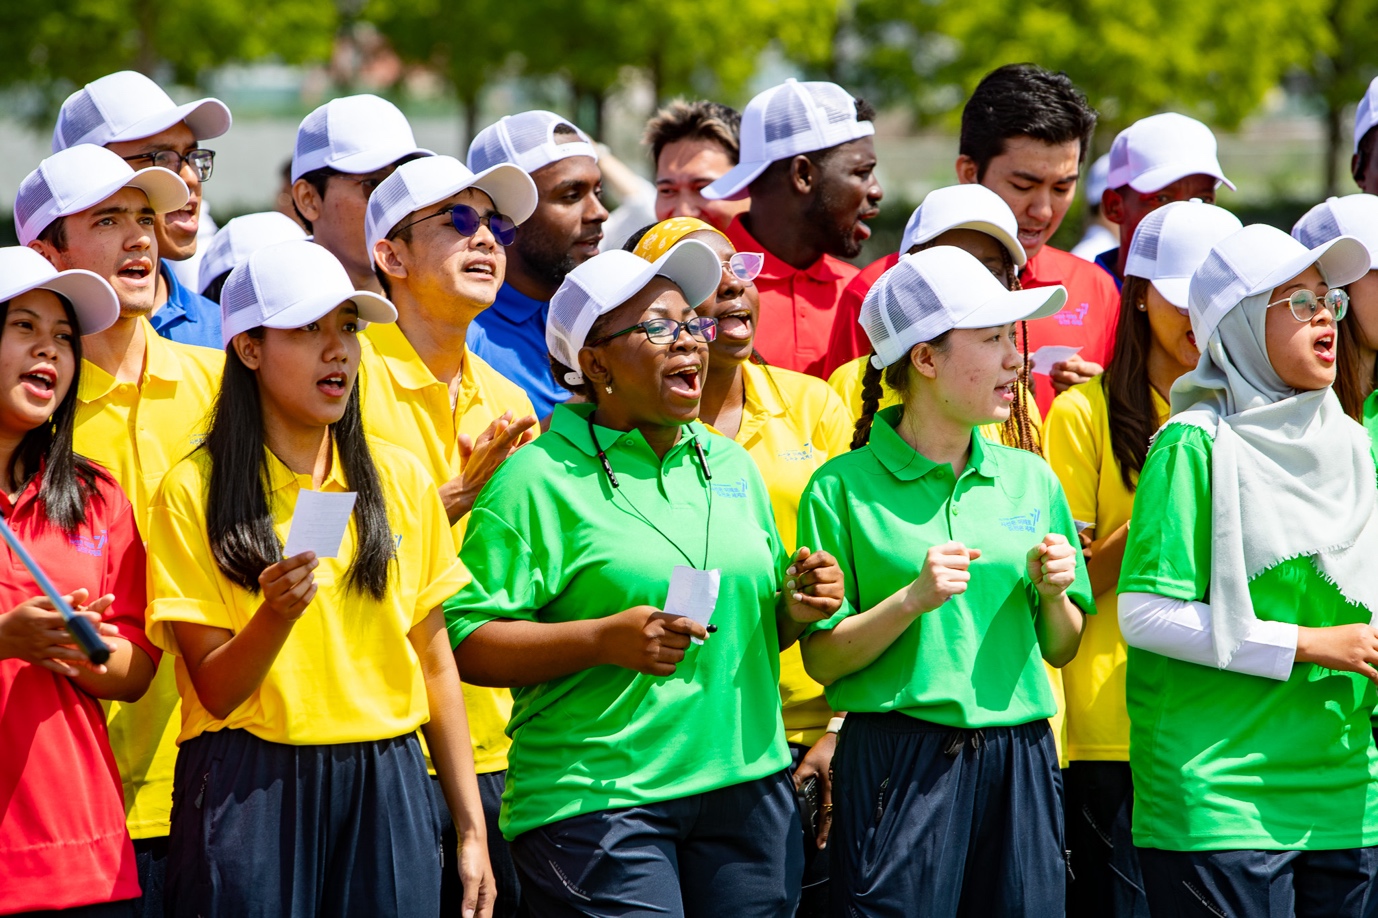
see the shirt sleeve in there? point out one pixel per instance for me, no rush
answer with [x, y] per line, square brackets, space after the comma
[443, 574]
[823, 525]
[1061, 522]
[184, 583]
[835, 427]
[126, 579]
[507, 582]
[1073, 450]
[1169, 547]
[1182, 630]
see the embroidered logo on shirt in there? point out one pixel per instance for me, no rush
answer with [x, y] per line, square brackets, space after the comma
[197, 439]
[1073, 316]
[797, 455]
[90, 546]
[1025, 522]
[735, 489]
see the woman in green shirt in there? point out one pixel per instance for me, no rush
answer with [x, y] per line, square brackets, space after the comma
[629, 585]
[1246, 595]
[962, 576]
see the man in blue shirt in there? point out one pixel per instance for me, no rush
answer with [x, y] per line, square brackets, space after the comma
[130, 115]
[564, 232]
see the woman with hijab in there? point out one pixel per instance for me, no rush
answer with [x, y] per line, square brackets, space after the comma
[1246, 597]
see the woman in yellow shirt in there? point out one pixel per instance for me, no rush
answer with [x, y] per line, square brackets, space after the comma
[300, 785]
[1096, 437]
[790, 423]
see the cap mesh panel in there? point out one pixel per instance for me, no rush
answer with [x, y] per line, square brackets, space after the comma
[314, 134]
[239, 293]
[1315, 231]
[785, 116]
[569, 303]
[527, 131]
[79, 117]
[486, 151]
[837, 105]
[384, 201]
[1146, 237]
[34, 195]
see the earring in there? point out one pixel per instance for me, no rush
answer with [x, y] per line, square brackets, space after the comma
[1143, 307]
[608, 389]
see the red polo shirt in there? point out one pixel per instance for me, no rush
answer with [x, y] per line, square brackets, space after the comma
[849, 342]
[1087, 321]
[63, 841]
[798, 307]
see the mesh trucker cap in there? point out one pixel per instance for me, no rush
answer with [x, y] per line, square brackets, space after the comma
[241, 237]
[129, 106]
[22, 269]
[973, 207]
[79, 177]
[787, 120]
[609, 279]
[1352, 215]
[937, 290]
[527, 141]
[423, 182]
[291, 284]
[1256, 259]
[1366, 115]
[1156, 151]
[1171, 242]
[354, 134]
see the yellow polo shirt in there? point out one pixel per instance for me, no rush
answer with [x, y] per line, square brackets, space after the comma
[347, 673]
[1077, 441]
[404, 404]
[791, 424]
[138, 432]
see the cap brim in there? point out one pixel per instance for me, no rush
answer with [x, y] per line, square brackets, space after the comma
[165, 189]
[690, 265]
[1343, 260]
[1160, 177]
[373, 160]
[512, 190]
[1176, 290]
[91, 297]
[371, 306]
[207, 118]
[1015, 306]
[735, 183]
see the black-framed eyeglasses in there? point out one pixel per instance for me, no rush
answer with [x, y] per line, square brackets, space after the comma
[666, 331]
[202, 161]
[466, 221]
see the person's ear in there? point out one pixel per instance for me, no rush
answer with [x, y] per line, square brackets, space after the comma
[1112, 206]
[249, 349]
[388, 259]
[48, 251]
[803, 175]
[306, 198]
[594, 369]
[923, 357]
[968, 172]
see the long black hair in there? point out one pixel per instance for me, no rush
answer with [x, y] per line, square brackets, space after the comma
[239, 519]
[1128, 392]
[70, 482]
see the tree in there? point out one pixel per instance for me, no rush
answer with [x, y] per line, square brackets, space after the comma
[1345, 60]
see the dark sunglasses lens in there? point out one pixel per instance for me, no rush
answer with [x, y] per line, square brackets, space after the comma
[504, 230]
[465, 219]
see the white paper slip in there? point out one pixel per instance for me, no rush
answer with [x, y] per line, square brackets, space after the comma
[319, 523]
[1046, 356]
[693, 594]
[1082, 526]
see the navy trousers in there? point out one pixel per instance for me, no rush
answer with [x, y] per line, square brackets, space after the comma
[1106, 879]
[1261, 884]
[941, 822]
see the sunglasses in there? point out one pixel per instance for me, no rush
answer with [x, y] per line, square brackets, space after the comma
[745, 266]
[666, 331]
[466, 221]
[1305, 305]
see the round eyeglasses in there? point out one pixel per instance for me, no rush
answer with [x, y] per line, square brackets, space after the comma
[1304, 304]
[466, 221]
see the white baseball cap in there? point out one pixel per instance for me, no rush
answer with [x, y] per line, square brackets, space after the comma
[92, 298]
[353, 134]
[1171, 242]
[129, 106]
[241, 237]
[1096, 178]
[1156, 151]
[1366, 115]
[80, 177]
[291, 284]
[609, 279]
[423, 182]
[973, 207]
[527, 141]
[1352, 215]
[787, 120]
[1256, 259]
[939, 289]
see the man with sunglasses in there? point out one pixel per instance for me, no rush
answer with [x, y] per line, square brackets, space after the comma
[130, 115]
[344, 151]
[439, 237]
[564, 232]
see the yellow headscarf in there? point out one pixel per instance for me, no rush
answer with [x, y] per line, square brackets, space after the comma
[660, 238]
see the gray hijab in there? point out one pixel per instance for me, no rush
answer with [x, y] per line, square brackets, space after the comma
[1291, 475]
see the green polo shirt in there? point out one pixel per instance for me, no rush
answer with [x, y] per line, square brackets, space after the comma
[550, 540]
[974, 662]
[1226, 760]
[1371, 415]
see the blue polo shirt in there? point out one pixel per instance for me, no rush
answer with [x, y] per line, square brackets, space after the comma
[187, 316]
[513, 343]
[1107, 260]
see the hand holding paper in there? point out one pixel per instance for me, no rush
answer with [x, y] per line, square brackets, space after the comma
[1049, 355]
[319, 523]
[693, 594]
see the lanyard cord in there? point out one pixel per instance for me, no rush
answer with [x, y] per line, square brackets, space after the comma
[617, 489]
